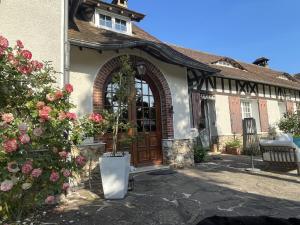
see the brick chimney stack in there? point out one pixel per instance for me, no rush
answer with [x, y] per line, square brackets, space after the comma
[262, 61]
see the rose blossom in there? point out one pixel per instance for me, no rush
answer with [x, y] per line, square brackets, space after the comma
[12, 167]
[3, 43]
[40, 105]
[66, 173]
[71, 116]
[24, 69]
[69, 88]
[58, 94]
[65, 186]
[10, 145]
[36, 65]
[50, 199]
[36, 172]
[95, 117]
[6, 185]
[7, 117]
[20, 44]
[63, 154]
[27, 167]
[50, 97]
[26, 54]
[24, 138]
[23, 128]
[62, 115]
[54, 176]
[80, 160]
[44, 113]
[38, 131]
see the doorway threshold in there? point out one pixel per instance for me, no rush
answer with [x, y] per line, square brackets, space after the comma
[146, 169]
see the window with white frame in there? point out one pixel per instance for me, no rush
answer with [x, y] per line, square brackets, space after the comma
[246, 109]
[105, 21]
[121, 25]
[110, 21]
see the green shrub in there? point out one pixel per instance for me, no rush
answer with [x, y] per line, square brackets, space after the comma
[200, 154]
[290, 124]
[235, 143]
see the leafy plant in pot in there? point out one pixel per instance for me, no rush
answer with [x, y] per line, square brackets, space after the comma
[115, 165]
[233, 147]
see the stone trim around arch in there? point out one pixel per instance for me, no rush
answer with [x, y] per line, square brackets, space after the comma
[154, 74]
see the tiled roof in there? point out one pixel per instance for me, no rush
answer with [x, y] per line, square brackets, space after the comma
[87, 35]
[251, 73]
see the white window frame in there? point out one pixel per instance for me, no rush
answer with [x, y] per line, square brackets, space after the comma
[249, 110]
[113, 18]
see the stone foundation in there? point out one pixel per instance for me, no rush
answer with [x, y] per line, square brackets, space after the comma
[178, 153]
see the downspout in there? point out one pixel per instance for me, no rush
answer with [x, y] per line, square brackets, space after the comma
[66, 45]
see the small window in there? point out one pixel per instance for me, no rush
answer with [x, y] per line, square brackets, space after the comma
[246, 109]
[121, 25]
[105, 21]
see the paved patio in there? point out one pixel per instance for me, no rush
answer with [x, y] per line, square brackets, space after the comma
[218, 187]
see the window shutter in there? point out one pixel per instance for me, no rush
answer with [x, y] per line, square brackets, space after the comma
[289, 107]
[263, 115]
[196, 108]
[235, 114]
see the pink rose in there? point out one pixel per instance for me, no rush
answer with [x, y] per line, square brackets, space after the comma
[66, 173]
[71, 116]
[50, 200]
[63, 154]
[3, 43]
[24, 138]
[54, 176]
[26, 54]
[95, 117]
[24, 69]
[6, 185]
[20, 44]
[58, 94]
[65, 186]
[23, 128]
[10, 145]
[69, 88]
[62, 116]
[36, 65]
[7, 117]
[50, 97]
[44, 113]
[12, 167]
[27, 167]
[38, 131]
[80, 160]
[40, 105]
[36, 173]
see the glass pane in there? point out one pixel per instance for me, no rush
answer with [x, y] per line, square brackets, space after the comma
[146, 101]
[139, 126]
[146, 113]
[151, 101]
[152, 125]
[147, 125]
[145, 89]
[139, 113]
[152, 113]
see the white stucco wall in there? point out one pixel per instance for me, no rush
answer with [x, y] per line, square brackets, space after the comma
[273, 112]
[39, 24]
[85, 64]
[223, 122]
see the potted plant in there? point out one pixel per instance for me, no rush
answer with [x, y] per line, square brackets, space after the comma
[233, 147]
[115, 165]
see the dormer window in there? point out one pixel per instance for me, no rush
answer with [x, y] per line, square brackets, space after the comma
[105, 21]
[228, 62]
[113, 22]
[121, 25]
[223, 63]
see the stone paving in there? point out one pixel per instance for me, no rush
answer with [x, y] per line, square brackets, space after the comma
[217, 187]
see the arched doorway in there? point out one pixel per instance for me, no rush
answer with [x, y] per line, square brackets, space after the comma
[150, 112]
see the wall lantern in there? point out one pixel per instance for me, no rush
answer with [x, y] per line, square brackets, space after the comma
[141, 68]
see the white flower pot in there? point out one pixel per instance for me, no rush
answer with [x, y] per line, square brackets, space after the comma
[115, 175]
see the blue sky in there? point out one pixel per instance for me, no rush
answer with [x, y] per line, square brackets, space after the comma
[241, 29]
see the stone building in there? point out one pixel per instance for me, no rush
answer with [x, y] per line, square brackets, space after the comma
[179, 88]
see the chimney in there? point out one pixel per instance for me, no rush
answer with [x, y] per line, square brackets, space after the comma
[122, 3]
[262, 61]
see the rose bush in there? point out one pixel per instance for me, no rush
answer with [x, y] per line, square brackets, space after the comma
[37, 132]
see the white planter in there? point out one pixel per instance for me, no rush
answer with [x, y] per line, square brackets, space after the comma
[115, 175]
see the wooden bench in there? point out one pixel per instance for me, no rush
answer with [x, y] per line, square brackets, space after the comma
[281, 154]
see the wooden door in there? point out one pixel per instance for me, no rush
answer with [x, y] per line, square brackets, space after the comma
[144, 114]
[147, 119]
